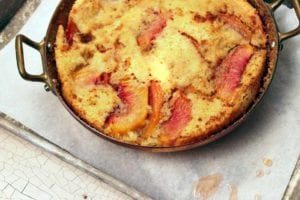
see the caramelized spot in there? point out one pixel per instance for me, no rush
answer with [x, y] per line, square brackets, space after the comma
[104, 78]
[118, 44]
[102, 48]
[199, 19]
[99, 79]
[78, 68]
[203, 42]
[86, 38]
[210, 17]
[127, 63]
[87, 54]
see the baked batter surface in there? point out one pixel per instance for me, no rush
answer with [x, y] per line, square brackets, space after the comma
[161, 72]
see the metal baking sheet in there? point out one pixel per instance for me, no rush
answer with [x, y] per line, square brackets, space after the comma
[107, 186]
[262, 152]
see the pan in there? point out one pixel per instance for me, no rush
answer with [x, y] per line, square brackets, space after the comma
[50, 76]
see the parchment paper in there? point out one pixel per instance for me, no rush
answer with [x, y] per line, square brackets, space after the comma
[272, 132]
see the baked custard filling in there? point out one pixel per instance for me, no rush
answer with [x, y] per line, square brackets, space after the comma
[161, 73]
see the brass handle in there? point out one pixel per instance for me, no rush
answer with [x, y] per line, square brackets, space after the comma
[20, 40]
[20, 58]
[296, 5]
[296, 31]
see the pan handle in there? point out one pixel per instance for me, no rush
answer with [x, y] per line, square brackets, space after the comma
[296, 5]
[20, 40]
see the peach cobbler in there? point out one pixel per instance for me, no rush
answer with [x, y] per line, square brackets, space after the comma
[161, 72]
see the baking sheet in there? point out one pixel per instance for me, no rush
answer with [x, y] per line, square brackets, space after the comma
[255, 161]
[34, 168]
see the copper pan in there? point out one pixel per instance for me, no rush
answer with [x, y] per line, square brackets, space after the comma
[50, 77]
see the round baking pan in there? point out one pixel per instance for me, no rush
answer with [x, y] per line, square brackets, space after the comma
[50, 76]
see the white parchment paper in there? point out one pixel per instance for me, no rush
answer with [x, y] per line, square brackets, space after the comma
[272, 131]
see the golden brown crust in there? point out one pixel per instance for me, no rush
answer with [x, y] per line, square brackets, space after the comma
[202, 62]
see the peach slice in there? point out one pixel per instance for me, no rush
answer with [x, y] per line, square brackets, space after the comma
[131, 114]
[71, 30]
[180, 117]
[236, 24]
[145, 39]
[156, 102]
[230, 72]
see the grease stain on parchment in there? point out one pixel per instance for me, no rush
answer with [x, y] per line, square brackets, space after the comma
[260, 173]
[268, 162]
[233, 189]
[207, 186]
[258, 197]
